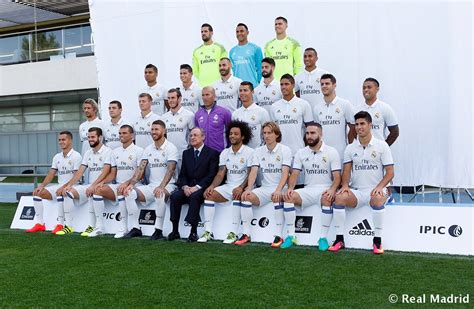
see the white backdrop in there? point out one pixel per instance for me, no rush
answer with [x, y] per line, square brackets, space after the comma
[420, 52]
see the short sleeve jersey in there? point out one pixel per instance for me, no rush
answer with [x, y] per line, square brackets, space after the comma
[227, 93]
[255, 116]
[267, 95]
[126, 160]
[308, 84]
[142, 128]
[317, 166]
[111, 133]
[291, 116]
[271, 163]
[159, 94]
[95, 161]
[368, 162]
[158, 159]
[84, 130]
[334, 117]
[191, 98]
[236, 163]
[66, 166]
[178, 126]
[382, 115]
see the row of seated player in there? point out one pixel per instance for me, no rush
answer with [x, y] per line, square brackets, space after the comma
[367, 171]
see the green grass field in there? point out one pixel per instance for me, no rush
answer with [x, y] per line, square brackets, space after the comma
[43, 270]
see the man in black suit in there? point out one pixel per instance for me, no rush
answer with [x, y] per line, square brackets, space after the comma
[200, 165]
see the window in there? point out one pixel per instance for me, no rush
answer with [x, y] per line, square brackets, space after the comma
[36, 118]
[10, 120]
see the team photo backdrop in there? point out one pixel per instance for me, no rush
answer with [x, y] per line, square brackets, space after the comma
[421, 53]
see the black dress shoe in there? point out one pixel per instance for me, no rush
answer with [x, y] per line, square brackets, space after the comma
[157, 235]
[193, 237]
[173, 236]
[134, 233]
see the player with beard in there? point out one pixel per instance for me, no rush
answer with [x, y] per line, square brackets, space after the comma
[227, 88]
[322, 167]
[90, 109]
[98, 162]
[268, 91]
[206, 58]
[161, 157]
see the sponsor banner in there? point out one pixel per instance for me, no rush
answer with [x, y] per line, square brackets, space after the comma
[437, 229]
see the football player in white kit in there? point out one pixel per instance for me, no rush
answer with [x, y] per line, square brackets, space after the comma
[235, 163]
[383, 116]
[268, 91]
[322, 167]
[368, 170]
[155, 89]
[161, 158]
[274, 161]
[64, 165]
[142, 124]
[179, 121]
[191, 92]
[254, 115]
[335, 115]
[227, 87]
[90, 109]
[97, 161]
[307, 84]
[111, 130]
[124, 162]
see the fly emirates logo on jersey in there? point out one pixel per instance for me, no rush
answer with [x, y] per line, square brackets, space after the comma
[365, 165]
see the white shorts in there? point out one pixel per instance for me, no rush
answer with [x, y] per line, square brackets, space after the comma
[310, 196]
[363, 196]
[264, 194]
[226, 190]
[81, 191]
[52, 190]
[147, 191]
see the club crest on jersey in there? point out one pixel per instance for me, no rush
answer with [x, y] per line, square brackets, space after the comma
[130, 157]
[242, 160]
[273, 92]
[163, 154]
[325, 159]
[148, 124]
[180, 119]
[100, 159]
[157, 94]
[69, 162]
[338, 110]
[216, 117]
[294, 110]
[192, 95]
[374, 154]
[318, 79]
[278, 158]
[377, 115]
[253, 117]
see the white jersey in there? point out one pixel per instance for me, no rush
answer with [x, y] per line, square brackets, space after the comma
[271, 163]
[158, 161]
[255, 116]
[266, 95]
[237, 163]
[95, 161]
[66, 166]
[227, 92]
[126, 160]
[334, 117]
[382, 117]
[178, 126]
[309, 86]
[159, 94]
[191, 98]
[84, 130]
[291, 116]
[368, 162]
[111, 133]
[142, 128]
[318, 166]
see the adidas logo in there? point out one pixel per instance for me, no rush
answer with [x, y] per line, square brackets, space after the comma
[362, 228]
